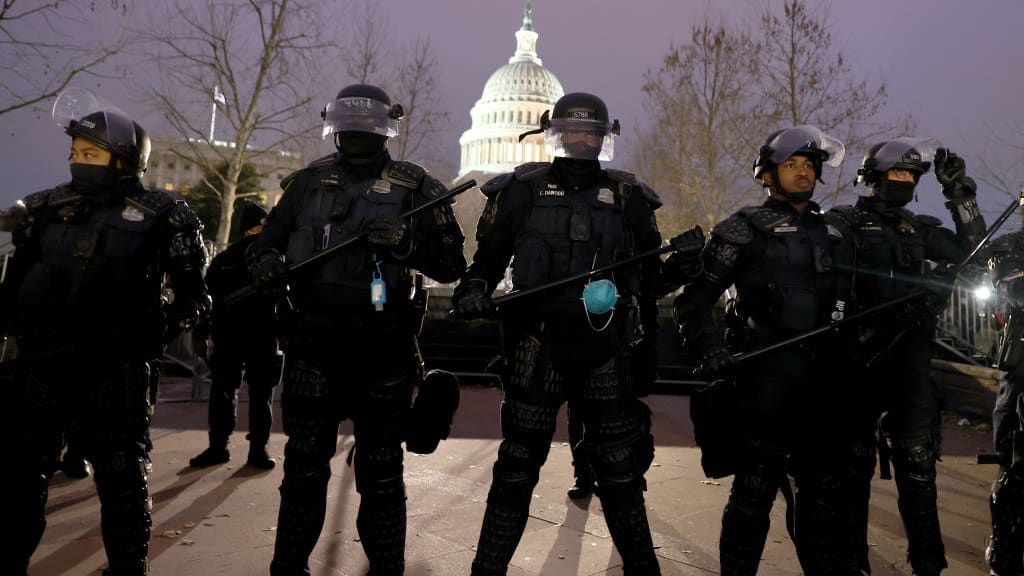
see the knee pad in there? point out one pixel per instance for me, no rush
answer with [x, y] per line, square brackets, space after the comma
[621, 447]
[1005, 550]
[378, 470]
[528, 423]
[753, 493]
[915, 462]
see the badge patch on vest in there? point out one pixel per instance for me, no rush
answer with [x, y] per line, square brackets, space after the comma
[133, 214]
[606, 195]
[552, 192]
[381, 187]
[784, 229]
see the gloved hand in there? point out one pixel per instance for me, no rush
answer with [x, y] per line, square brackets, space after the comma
[717, 363]
[471, 299]
[951, 172]
[685, 264]
[391, 233]
[689, 243]
[269, 272]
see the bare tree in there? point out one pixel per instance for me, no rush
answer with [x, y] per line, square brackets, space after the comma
[806, 80]
[257, 59]
[1001, 163]
[702, 127]
[40, 53]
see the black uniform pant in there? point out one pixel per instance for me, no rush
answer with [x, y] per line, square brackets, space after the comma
[261, 365]
[784, 428]
[550, 365]
[580, 463]
[911, 424]
[1005, 552]
[337, 370]
[106, 401]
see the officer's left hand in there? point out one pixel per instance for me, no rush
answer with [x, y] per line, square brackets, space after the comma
[389, 233]
[951, 172]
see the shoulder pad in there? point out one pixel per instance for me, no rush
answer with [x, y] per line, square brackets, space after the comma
[735, 229]
[322, 161]
[623, 176]
[765, 219]
[927, 220]
[152, 202]
[182, 217]
[37, 200]
[432, 187]
[630, 182]
[1005, 243]
[404, 173]
[532, 170]
[844, 218]
[318, 164]
[494, 185]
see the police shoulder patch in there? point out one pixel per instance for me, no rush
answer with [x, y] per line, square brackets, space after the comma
[403, 173]
[531, 170]
[735, 229]
[927, 220]
[494, 185]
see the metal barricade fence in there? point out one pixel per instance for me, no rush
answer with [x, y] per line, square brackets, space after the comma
[967, 322]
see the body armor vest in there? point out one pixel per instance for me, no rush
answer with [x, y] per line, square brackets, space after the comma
[891, 253]
[571, 232]
[796, 267]
[98, 263]
[336, 208]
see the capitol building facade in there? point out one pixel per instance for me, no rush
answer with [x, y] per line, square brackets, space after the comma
[512, 102]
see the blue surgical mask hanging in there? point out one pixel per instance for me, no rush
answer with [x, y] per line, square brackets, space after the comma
[599, 297]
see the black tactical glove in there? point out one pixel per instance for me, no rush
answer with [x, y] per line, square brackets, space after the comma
[269, 272]
[390, 233]
[686, 259]
[717, 363]
[471, 299]
[951, 172]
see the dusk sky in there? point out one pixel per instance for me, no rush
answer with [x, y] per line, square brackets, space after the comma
[958, 66]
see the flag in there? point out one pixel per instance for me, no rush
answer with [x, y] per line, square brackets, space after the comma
[218, 96]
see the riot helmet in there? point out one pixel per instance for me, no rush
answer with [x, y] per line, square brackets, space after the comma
[362, 108]
[117, 134]
[911, 154]
[578, 127]
[803, 140]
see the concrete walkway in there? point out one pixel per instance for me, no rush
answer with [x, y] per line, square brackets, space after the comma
[221, 520]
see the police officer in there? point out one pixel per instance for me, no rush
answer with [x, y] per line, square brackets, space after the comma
[352, 350]
[553, 220]
[892, 245]
[85, 286]
[1005, 552]
[245, 339]
[783, 260]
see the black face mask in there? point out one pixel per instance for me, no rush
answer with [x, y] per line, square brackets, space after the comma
[89, 179]
[897, 193]
[581, 151]
[360, 147]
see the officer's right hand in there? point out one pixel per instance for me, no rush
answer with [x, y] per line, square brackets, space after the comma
[689, 243]
[269, 272]
[471, 300]
[717, 363]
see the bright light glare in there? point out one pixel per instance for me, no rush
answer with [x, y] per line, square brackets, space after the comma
[982, 292]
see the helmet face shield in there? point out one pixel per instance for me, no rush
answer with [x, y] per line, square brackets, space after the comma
[84, 115]
[359, 114]
[806, 139]
[913, 154]
[580, 138]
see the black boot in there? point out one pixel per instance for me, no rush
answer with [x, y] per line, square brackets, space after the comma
[74, 466]
[210, 457]
[258, 458]
[581, 488]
